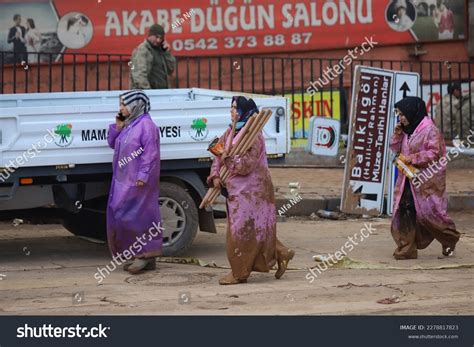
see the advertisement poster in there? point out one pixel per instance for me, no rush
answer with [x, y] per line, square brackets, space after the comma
[216, 28]
[305, 106]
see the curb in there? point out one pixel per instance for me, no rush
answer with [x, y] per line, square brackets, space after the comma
[306, 206]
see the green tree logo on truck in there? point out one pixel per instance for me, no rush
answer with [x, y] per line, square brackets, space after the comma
[64, 135]
[199, 129]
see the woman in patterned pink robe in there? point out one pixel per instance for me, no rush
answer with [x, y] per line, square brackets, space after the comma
[420, 206]
[251, 241]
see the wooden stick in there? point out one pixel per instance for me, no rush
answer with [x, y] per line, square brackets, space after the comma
[249, 143]
[232, 134]
[244, 144]
[256, 122]
[211, 195]
[245, 131]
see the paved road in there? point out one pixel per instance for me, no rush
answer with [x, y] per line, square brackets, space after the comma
[48, 271]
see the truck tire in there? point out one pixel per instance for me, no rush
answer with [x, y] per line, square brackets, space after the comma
[90, 221]
[179, 217]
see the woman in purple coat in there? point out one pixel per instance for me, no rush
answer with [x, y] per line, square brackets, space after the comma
[420, 208]
[133, 214]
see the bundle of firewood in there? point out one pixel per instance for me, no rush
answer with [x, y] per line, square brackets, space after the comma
[250, 131]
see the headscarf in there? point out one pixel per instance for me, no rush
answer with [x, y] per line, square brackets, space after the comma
[414, 109]
[137, 103]
[245, 109]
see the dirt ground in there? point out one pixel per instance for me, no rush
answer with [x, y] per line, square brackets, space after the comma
[45, 270]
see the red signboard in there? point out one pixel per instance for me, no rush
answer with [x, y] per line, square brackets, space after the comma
[232, 27]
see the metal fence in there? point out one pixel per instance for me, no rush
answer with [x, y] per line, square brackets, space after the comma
[48, 72]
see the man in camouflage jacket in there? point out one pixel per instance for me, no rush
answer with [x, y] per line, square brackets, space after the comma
[152, 61]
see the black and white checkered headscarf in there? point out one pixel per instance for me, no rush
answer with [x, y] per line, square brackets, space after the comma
[137, 103]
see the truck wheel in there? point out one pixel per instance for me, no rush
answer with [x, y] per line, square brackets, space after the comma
[88, 222]
[179, 217]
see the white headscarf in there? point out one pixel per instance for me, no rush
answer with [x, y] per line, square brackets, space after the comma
[137, 103]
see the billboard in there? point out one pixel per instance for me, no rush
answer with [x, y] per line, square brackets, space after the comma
[216, 28]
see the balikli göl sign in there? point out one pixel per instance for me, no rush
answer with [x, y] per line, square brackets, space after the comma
[367, 151]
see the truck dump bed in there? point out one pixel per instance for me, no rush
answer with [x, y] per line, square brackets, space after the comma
[71, 128]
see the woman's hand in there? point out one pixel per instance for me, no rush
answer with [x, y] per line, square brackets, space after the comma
[118, 123]
[217, 183]
[398, 129]
[140, 183]
[224, 155]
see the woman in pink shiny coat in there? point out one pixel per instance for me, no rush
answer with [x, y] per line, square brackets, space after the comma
[420, 206]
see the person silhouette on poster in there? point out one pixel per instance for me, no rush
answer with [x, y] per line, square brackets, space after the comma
[400, 18]
[16, 35]
[33, 40]
[444, 20]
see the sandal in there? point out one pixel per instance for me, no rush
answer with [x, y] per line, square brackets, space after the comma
[230, 279]
[283, 265]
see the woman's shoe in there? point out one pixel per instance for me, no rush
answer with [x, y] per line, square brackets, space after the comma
[406, 256]
[448, 251]
[283, 264]
[141, 264]
[127, 265]
[230, 279]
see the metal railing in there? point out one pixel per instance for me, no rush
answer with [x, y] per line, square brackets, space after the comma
[52, 72]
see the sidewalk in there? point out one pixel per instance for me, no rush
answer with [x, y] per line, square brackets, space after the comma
[321, 188]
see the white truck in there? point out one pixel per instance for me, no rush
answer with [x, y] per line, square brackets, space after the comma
[54, 153]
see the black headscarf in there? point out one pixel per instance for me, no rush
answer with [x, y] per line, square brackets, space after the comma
[414, 109]
[245, 109]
